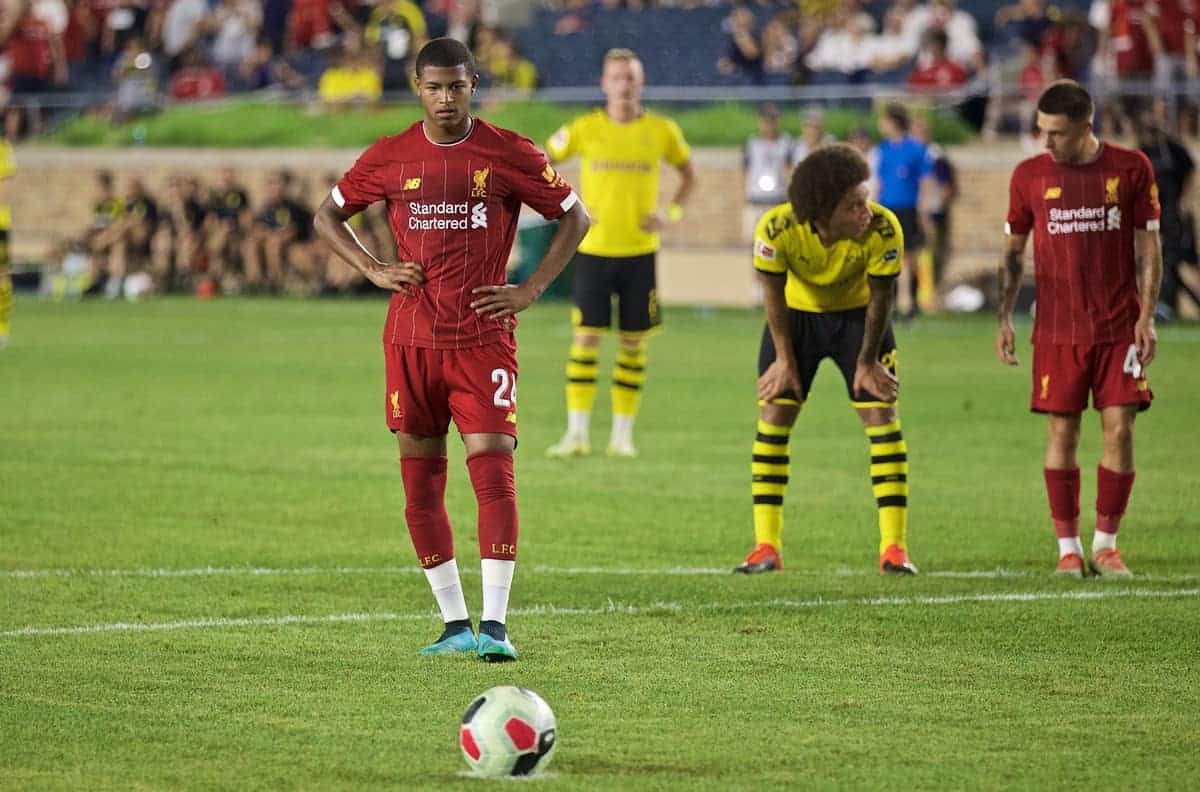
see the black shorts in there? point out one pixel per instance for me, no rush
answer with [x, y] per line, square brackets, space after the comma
[631, 279]
[910, 225]
[838, 336]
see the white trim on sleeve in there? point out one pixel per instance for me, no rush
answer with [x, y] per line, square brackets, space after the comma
[1007, 228]
[569, 201]
[338, 198]
[1152, 225]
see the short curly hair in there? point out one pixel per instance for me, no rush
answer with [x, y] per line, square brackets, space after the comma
[820, 181]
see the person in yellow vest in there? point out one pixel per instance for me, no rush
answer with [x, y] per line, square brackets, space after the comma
[621, 148]
[7, 168]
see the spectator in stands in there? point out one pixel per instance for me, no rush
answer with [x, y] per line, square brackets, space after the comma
[743, 53]
[463, 22]
[309, 25]
[937, 204]
[124, 20]
[227, 217]
[1070, 43]
[767, 161]
[1174, 172]
[236, 24]
[1025, 21]
[398, 29]
[1130, 39]
[277, 251]
[934, 69]
[891, 50]
[196, 79]
[353, 78]
[505, 68]
[184, 25]
[812, 135]
[780, 51]
[843, 49]
[962, 34]
[902, 165]
[37, 61]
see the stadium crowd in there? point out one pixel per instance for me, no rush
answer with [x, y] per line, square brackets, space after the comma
[135, 52]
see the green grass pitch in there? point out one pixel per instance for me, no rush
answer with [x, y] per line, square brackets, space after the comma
[210, 486]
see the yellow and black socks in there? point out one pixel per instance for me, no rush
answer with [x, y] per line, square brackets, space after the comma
[581, 388]
[629, 374]
[889, 480]
[768, 482]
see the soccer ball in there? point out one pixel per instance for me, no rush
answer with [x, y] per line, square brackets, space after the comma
[507, 731]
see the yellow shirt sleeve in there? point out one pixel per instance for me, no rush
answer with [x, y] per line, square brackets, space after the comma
[677, 151]
[768, 257]
[564, 143]
[886, 245]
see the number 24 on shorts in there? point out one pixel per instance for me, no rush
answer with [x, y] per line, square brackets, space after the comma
[506, 382]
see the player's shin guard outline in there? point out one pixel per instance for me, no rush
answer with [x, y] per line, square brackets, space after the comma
[889, 482]
[768, 482]
[425, 509]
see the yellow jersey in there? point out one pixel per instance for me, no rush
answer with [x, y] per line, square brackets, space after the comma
[8, 165]
[619, 166]
[825, 279]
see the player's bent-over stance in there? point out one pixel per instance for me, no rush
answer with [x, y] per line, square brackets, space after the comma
[1093, 210]
[828, 261]
[454, 186]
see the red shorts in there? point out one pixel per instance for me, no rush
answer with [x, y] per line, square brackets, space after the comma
[1064, 374]
[477, 387]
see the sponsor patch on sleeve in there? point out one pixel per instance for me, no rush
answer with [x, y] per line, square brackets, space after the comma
[763, 250]
[891, 254]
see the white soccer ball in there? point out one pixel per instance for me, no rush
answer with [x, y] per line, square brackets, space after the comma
[507, 731]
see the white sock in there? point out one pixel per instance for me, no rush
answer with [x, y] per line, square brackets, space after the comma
[1069, 545]
[577, 424]
[622, 430]
[447, 590]
[497, 580]
[1103, 541]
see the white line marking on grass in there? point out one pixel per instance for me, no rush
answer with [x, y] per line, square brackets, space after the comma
[611, 608]
[540, 569]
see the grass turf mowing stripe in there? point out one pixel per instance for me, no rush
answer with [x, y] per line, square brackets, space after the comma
[608, 609]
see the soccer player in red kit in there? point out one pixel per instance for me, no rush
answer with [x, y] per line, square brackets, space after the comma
[454, 186]
[1093, 210]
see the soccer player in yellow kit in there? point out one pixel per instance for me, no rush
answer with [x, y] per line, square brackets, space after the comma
[7, 168]
[620, 148]
[828, 261]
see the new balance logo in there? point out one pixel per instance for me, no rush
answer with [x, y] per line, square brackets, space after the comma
[479, 216]
[412, 184]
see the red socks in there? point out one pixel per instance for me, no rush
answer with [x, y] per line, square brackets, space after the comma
[425, 509]
[492, 478]
[1112, 497]
[1062, 487]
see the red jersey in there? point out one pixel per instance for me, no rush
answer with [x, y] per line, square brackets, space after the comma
[939, 74]
[453, 209]
[29, 48]
[1083, 219]
[1128, 33]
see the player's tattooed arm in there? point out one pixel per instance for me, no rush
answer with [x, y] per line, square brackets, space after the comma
[330, 224]
[1147, 251]
[1009, 280]
[783, 375]
[869, 374]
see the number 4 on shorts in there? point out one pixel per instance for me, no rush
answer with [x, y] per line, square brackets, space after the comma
[1132, 364]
